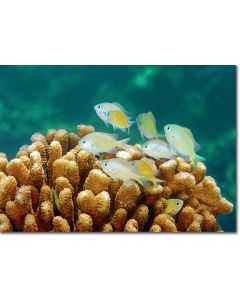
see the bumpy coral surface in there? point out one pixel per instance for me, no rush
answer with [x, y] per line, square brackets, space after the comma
[54, 186]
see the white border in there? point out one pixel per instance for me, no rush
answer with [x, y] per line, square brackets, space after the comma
[119, 266]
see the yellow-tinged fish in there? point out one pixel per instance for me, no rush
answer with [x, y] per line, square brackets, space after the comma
[157, 149]
[102, 109]
[114, 114]
[118, 119]
[173, 206]
[99, 142]
[146, 167]
[181, 139]
[147, 125]
[119, 168]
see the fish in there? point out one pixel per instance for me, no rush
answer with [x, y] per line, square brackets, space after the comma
[118, 119]
[146, 167]
[173, 206]
[114, 114]
[100, 142]
[181, 139]
[102, 109]
[146, 124]
[120, 168]
[157, 149]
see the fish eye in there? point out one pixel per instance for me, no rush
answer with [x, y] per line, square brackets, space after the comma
[145, 146]
[168, 128]
[84, 142]
[105, 164]
[99, 106]
[177, 203]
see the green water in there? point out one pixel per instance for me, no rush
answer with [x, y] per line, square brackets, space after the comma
[203, 98]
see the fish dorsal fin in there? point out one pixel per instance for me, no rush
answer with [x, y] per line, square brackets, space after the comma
[196, 145]
[140, 116]
[120, 106]
[113, 135]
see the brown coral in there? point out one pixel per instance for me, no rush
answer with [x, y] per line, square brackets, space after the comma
[53, 185]
[30, 224]
[84, 223]
[5, 225]
[60, 224]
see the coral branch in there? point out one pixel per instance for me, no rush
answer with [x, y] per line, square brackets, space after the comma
[55, 186]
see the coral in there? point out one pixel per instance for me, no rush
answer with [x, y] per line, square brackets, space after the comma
[66, 207]
[131, 226]
[55, 186]
[30, 224]
[84, 223]
[5, 225]
[165, 222]
[60, 224]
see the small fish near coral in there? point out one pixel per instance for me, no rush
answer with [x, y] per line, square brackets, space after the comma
[79, 182]
[90, 181]
[115, 115]
[100, 142]
[181, 139]
[147, 125]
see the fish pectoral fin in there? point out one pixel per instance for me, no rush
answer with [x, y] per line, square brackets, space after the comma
[120, 106]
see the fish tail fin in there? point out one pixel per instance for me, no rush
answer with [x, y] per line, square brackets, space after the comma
[199, 157]
[130, 124]
[123, 144]
[195, 158]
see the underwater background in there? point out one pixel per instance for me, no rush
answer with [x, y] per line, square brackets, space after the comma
[202, 98]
